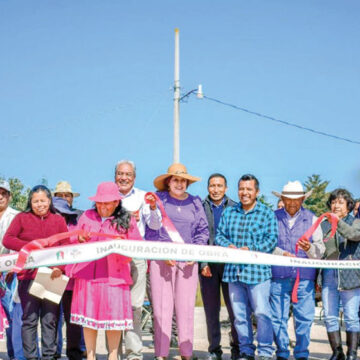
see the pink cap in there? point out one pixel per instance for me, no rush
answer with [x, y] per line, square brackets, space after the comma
[106, 192]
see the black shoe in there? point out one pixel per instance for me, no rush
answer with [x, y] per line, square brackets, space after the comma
[303, 358]
[244, 356]
[351, 342]
[336, 346]
[173, 342]
[281, 358]
[213, 356]
[235, 353]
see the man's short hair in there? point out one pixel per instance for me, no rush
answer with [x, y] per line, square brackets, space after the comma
[248, 177]
[215, 175]
[129, 162]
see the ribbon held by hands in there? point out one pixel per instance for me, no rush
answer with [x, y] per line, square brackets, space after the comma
[166, 222]
[333, 220]
[51, 241]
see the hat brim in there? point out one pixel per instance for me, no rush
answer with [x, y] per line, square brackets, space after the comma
[295, 196]
[159, 181]
[74, 194]
[104, 198]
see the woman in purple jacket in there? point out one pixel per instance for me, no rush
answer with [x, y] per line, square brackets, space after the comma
[174, 283]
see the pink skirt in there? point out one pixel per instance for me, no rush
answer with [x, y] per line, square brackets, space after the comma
[4, 324]
[101, 306]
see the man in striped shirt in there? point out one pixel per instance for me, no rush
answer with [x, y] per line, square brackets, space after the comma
[250, 225]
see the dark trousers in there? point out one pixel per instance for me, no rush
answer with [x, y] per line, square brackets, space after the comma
[73, 331]
[33, 309]
[210, 292]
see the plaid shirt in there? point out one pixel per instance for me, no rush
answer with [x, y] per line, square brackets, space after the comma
[256, 229]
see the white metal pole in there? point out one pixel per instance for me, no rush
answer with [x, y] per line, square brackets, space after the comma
[176, 157]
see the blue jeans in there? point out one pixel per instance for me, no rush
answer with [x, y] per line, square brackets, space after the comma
[16, 332]
[332, 297]
[7, 303]
[303, 312]
[247, 298]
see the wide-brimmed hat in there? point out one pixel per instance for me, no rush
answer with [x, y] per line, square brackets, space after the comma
[62, 206]
[174, 170]
[293, 190]
[5, 185]
[64, 187]
[106, 192]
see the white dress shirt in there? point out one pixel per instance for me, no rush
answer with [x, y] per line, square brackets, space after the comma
[5, 222]
[133, 201]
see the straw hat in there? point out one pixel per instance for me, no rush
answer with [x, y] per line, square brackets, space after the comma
[174, 170]
[293, 190]
[106, 192]
[64, 187]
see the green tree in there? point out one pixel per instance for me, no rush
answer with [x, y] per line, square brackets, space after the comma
[317, 201]
[19, 194]
[262, 198]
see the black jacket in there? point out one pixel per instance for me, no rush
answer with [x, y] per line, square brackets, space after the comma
[210, 218]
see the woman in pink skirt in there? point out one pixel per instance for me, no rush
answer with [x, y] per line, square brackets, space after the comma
[101, 298]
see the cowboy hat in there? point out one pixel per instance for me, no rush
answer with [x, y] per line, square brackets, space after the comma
[293, 190]
[64, 187]
[174, 170]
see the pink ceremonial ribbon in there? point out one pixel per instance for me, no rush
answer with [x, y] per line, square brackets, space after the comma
[166, 222]
[333, 220]
[50, 241]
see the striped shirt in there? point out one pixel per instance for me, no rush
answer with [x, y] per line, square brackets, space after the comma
[258, 230]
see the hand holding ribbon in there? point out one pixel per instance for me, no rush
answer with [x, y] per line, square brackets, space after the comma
[166, 222]
[38, 244]
[304, 243]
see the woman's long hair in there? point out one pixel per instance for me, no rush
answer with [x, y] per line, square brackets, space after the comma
[121, 218]
[37, 189]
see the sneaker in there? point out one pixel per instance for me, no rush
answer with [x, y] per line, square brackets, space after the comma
[265, 357]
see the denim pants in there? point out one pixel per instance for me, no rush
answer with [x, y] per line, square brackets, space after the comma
[16, 332]
[247, 298]
[7, 303]
[303, 312]
[331, 297]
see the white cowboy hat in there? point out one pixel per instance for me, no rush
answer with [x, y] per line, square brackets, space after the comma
[293, 190]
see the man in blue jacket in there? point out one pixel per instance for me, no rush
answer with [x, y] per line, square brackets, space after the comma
[293, 221]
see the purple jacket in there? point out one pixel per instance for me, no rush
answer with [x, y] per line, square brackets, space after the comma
[287, 241]
[188, 217]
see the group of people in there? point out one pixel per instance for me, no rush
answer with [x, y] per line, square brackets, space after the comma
[108, 294]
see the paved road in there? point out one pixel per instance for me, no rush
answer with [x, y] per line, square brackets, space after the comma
[319, 348]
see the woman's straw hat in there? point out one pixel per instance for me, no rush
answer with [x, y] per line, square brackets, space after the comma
[174, 170]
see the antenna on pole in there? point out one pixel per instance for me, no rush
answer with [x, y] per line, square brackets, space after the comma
[176, 155]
